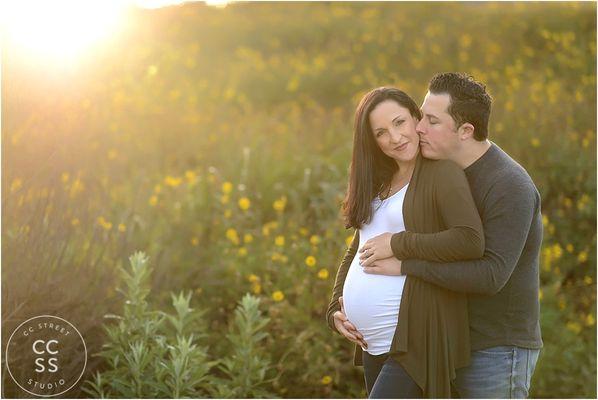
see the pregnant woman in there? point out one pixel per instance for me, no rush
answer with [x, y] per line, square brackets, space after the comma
[409, 335]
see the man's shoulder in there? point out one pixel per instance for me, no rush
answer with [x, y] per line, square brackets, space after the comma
[511, 171]
[507, 175]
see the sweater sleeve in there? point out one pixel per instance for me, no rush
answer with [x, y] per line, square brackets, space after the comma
[511, 209]
[463, 238]
[339, 282]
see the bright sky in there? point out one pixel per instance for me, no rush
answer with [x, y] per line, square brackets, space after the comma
[59, 30]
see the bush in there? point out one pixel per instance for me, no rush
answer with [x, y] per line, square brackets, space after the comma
[153, 354]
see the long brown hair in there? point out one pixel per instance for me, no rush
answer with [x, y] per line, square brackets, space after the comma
[371, 170]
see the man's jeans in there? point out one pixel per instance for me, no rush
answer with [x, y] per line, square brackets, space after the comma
[501, 372]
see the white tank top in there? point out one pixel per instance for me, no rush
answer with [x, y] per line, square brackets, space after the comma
[372, 301]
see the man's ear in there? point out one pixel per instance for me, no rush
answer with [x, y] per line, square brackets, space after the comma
[465, 131]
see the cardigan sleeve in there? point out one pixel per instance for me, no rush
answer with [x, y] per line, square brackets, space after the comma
[463, 238]
[339, 282]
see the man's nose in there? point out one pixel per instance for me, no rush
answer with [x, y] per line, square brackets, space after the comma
[419, 128]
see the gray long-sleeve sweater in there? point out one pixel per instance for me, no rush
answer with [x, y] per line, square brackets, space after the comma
[503, 285]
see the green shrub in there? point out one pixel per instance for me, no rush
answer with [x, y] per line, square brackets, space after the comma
[156, 354]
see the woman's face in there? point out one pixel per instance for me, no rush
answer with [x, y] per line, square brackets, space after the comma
[393, 127]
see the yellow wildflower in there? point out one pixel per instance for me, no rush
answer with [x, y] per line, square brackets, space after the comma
[589, 320]
[314, 240]
[256, 288]
[228, 213]
[157, 188]
[248, 238]
[323, 274]
[244, 203]
[540, 295]
[253, 278]
[152, 70]
[557, 251]
[574, 327]
[172, 181]
[64, 177]
[279, 240]
[75, 221]
[587, 280]
[104, 224]
[16, 184]
[231, 235]
[278, 296]
[191, 177]
[227, 187]
[224, 199]
[583, 202]
[242, 251]
[326, 380]
[535, 142]
[194, 240]
[76, 187]
[280, 204]
[122, 227]
[567, 202]
[582, 256]
[303, 231]
[153, 200]
[276, 256]
[569, 248]
[465, 40]
[310, 261]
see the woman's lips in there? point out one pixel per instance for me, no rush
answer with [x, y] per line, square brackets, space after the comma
[402, 147]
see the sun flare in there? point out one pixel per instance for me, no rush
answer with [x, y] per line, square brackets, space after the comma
[58, 29]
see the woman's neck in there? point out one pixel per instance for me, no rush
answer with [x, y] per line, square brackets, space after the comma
[405, 170]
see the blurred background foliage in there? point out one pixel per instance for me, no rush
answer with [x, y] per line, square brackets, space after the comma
[218, 141]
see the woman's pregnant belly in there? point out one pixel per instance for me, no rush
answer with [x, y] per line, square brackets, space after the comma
[372, 303]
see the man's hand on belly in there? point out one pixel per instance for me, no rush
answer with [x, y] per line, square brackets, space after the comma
[386, 266]
[376, 248]
[346, 328]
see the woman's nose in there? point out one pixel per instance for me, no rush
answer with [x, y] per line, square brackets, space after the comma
[395, 135]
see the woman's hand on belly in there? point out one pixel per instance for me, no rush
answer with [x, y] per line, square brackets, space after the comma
[386, 266]
[376, 248]
[346, 328]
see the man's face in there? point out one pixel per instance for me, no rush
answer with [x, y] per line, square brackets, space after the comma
[438, 137]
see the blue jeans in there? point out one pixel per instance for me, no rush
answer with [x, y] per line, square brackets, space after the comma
[385, 378]
[502, 372]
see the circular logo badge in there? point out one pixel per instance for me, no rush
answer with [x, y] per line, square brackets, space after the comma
[46, 356]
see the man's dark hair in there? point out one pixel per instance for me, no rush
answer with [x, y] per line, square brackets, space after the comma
[469, 100]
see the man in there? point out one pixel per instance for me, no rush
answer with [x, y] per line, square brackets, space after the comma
[502, 286]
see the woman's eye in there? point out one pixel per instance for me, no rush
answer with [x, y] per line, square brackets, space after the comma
[398, 122]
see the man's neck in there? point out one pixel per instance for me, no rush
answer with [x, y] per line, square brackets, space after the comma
[471, 152]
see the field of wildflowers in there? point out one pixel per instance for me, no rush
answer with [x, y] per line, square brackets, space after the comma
[218, 141]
